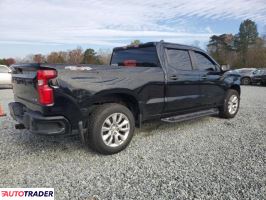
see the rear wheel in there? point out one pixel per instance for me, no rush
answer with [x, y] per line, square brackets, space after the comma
[110, 128]
[245, 81]
[231, 104]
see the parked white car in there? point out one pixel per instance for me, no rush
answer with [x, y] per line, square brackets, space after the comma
[5, 77]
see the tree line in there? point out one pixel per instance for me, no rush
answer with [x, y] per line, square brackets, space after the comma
[7, 61]
[244, 49]
[74, 56]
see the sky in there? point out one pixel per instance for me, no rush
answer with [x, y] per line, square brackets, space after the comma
[42, 26]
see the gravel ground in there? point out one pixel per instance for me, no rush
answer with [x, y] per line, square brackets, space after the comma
[208, 158]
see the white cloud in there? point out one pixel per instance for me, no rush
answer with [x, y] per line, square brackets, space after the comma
[113, 22]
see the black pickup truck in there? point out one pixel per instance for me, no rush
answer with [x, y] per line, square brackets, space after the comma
[155, 80]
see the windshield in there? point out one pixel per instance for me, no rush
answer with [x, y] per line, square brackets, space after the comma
[136, 57]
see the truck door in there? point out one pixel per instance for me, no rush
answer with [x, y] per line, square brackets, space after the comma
[211, 83]
[182, 87]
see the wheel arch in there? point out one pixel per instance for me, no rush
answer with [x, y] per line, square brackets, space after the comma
[126, 98]
[245, 77]
[237, 88]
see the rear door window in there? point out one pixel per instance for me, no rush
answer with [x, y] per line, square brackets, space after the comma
[179, 59]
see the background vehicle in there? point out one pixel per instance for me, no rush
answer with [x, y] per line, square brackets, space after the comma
[156, 80]
[5, 77]
[246, 75]
[259, 76]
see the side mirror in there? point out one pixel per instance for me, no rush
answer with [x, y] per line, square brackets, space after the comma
[225, 68]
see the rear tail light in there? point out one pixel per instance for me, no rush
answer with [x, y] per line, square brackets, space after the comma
[46, 93]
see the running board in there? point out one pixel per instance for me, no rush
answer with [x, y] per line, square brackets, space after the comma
[189, 116]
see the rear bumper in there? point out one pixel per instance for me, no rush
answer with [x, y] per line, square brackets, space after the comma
[38, 124]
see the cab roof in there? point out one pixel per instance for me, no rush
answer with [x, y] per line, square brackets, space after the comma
[161, 43]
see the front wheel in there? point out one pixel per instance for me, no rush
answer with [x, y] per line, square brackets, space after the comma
[231, 104]
[110, 128]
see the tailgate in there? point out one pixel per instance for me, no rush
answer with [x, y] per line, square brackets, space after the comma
[25, 82]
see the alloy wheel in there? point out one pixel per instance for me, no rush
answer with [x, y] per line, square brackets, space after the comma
[115, 129]
[233, 104]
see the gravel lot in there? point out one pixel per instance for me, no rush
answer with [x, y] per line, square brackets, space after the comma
[208, 158]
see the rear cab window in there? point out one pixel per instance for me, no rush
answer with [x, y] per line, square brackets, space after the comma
[136, 57]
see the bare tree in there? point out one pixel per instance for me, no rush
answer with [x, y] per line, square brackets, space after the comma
[39, 58]
[27, 59]
[75, 56]
[57, 57]
[104, 56]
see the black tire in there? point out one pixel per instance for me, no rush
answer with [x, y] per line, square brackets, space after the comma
[224, 110]
[93, 137]
[245, 81]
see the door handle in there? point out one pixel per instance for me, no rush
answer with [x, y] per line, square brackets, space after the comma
[173, 77]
